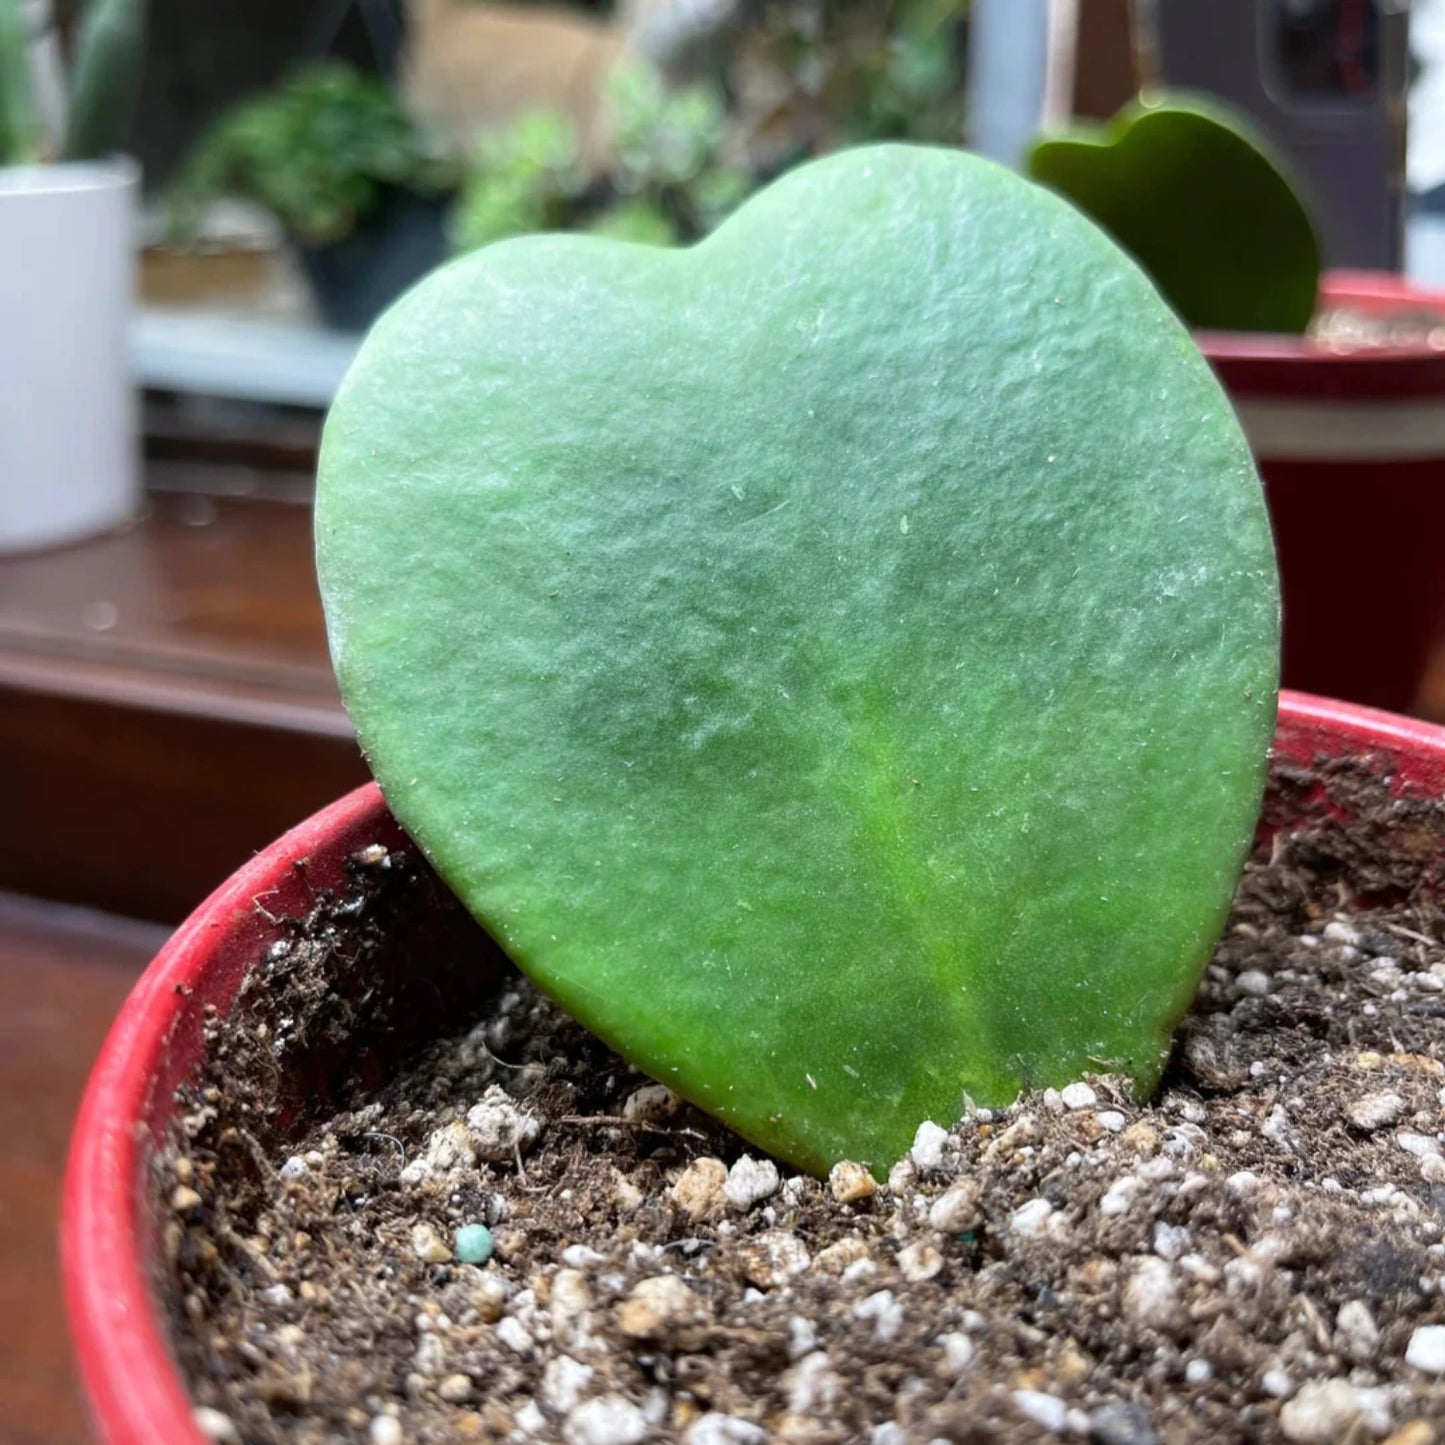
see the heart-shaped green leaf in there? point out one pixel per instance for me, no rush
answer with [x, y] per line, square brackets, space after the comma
[1202, 204]
[836, 661]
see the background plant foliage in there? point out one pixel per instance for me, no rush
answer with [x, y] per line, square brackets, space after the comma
[318, 152]
[670, 179]
[813, 75]
[690, 136]
[777, 84]
[105, 59]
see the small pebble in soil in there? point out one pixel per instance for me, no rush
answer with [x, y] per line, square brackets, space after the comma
[428, 1245]
[1276, 1383]
[651, 1104]
[812, 1384]
[447, 1149]
[1415, 1432]
[571, 1297]
[1420, 1145]
[607, 1420]
[883, 1309]
[1376, 1110]
[1117, 1198]
[473, 1244]
[836, 1258]
[564, 1382]
[750, 1181]
[850, 1182]
[1121, 1423]
[1357, 1334]
[1170, 1240]
[627, 1198]
[490, 1297]
[699, 1189]
[1151, 1296]
[657, 1308]
[1325, 1412]
[216, 1426]
[715, 1429]
[581, 1256]
[384, 1430]
[774, 1257]
[1046, 1411]
[929, 1143]
[1426, 1350]
[498, 1128]
[958, 1352]
[1031, 1217]
[455, 1388]
[514, 1335]
[184, 1199]
[957, 1208]
[920, 1261]
[1078, 1096]
[802, 1337]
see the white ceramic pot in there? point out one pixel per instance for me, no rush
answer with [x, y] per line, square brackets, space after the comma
[68, 463]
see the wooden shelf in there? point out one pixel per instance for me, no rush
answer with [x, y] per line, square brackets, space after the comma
[166, 703]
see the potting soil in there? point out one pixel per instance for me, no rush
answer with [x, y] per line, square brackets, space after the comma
[1255, 1254]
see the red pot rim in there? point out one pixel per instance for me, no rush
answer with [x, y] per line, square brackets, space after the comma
[1262, 364]
[121, 1341]
[119, 1332]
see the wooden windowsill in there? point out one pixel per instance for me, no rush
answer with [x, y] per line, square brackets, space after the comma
[166, 702]
[204, 605]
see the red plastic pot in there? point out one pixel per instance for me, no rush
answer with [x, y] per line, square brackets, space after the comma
[109, 1232]
[1351, 444]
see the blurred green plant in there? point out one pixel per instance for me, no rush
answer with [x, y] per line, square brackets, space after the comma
[525, 176]
[638, 221]
[669, 181]
[319, 152]
[912, 88]
[814, 75]
[105, 73]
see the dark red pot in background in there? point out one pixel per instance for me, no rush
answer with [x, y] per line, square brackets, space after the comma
[1351, 444]
[110, 1232]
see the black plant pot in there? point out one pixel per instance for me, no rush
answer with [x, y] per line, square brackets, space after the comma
[356, 278]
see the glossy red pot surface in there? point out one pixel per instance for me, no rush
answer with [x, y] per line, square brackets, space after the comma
[1350, 441]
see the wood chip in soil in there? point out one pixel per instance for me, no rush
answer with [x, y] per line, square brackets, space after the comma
[1255, 1255]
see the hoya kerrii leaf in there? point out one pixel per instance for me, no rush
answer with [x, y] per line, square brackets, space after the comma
[836, 661]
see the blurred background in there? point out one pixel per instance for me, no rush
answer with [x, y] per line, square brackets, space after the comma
[202, 208]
